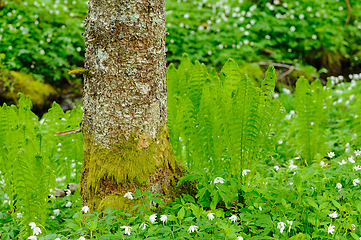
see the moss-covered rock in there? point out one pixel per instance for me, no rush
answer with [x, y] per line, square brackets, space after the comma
[11, 83]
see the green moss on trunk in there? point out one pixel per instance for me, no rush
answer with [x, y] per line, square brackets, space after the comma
[137, 162]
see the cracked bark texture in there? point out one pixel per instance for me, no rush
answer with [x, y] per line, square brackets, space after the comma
[124, 102]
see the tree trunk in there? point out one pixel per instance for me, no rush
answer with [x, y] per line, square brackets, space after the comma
[126, 141]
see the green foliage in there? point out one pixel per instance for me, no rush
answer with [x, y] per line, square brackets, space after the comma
[224, 122]
[30, 160]
[248, 31]
[357, 119]
[43, 38]
[4, 72]
[24, 166]
[66, 150]
[148, 198]
[312, 103]
[276, 200]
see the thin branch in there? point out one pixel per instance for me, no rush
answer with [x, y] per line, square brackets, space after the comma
[291, 68]
[73, 131]
[279, 65]
[283, 75]
[349, 15]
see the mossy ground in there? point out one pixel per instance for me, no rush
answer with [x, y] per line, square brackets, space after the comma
[15, 82]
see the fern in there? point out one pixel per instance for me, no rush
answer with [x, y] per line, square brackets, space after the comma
[29, 156]
[24, 184]
[220, 122]
[357, 120]
[270, 112]
[203, 138]
[312, 104]
[183, 130]
[195, 83]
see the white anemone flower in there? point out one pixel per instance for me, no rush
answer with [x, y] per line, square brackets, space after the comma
[331, 154]
[219, 180]
[192, 228]
[356, 168]
[245, 171]
[281, 226]
[128, 195]
[56, 212]
[153, 218]
[333, 215]
[233, 218]
[32, 225]
[357, 152]
[85, 209]
[342, 162]
[127, 229]
[292, 166]
[353, 227]
[143, 226]
[163, 218]
[36, 231]
[355, 182]
[331, 229]
[289, 225]
[210, 216]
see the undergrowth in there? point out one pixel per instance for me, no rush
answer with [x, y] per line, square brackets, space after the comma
[262, 171]
[45, 37]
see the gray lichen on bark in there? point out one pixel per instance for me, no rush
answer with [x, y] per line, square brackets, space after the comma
[125, 88]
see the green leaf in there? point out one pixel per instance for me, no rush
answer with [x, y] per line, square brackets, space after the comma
[297, 180]
[196, 210]
[23, 51]
[312, 203]
[181, 214]
[215, 200]
[299, 236]
[336, 204]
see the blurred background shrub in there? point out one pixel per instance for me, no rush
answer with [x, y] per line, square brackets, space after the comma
[312, 38]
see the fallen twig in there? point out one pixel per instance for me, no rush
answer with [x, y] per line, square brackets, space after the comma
[279, 65]
[349, 15]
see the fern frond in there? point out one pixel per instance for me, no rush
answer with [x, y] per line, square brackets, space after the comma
[203, 138]
[183, 129]
[269, 83]
[311, 102]
[218, 121]
[195, 84]
[270, 113]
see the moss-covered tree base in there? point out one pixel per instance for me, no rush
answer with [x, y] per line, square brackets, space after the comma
[138, 162]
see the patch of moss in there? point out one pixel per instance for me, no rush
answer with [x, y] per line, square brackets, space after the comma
[137, 162]
[254, 72]
[39, 93]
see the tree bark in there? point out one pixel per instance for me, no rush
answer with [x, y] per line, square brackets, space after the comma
[126, 141]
